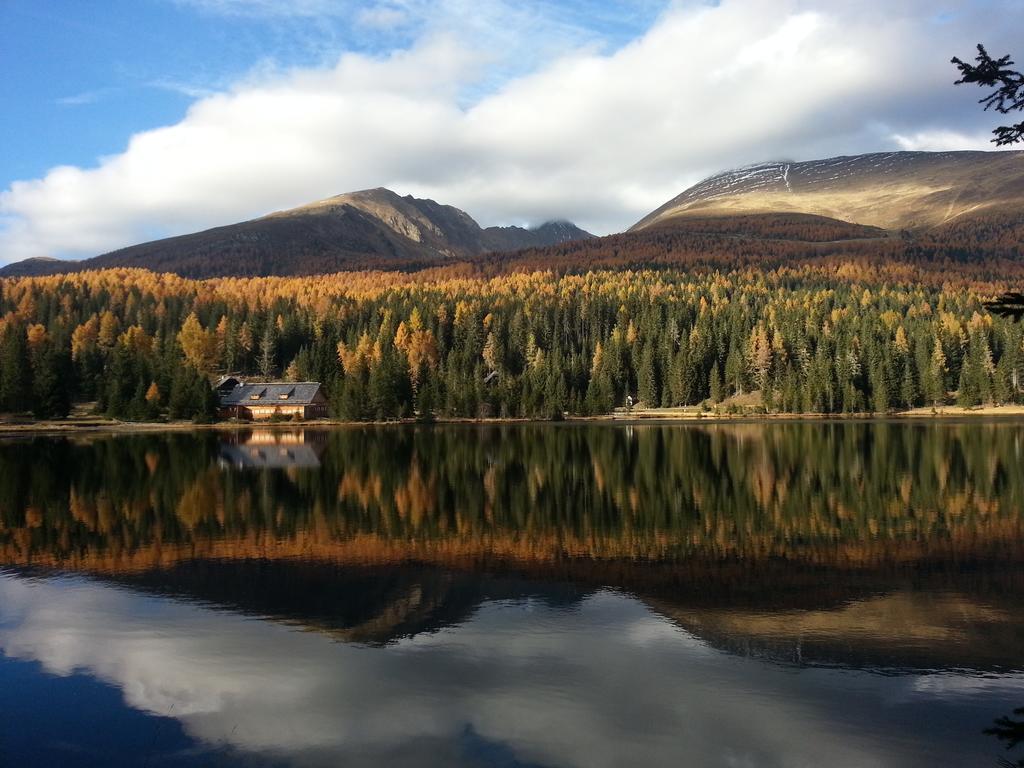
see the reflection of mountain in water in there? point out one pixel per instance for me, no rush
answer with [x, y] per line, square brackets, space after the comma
[373, 604]
[892, 621]
[272, 449]
[901, 630]
[882, 545]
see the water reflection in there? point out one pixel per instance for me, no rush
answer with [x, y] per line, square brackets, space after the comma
[272, 449]
[624, 686]
[790, 594]
[855, 494]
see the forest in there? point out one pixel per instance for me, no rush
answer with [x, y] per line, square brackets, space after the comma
[669, 318]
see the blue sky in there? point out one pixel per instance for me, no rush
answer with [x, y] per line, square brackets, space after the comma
[87, 79]
[89, 75]
[127, 120]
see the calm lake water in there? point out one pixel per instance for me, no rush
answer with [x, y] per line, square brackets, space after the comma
[811, 594]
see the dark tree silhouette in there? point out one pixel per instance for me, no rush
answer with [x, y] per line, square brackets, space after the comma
[1008, 95]
[1009, 305]
[1012, 732]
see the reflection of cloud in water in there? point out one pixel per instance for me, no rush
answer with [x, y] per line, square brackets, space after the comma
[948, 685]
[610, 683]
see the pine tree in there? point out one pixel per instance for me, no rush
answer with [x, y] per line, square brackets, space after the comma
[937, 373]
[179, 404]
[647, 378]
[15, 371]
[120, 384]
[268, 350]
[204, 399]
[52, 384]
[908, 386]
[715, 384]
[734, 371]
[390, 390]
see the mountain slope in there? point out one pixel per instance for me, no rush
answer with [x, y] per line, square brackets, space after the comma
[371, 229]
[892, 190]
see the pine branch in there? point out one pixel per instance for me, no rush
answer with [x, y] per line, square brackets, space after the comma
[1008, 95]
[1010, 305]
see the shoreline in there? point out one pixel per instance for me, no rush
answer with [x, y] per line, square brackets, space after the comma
[96, 425]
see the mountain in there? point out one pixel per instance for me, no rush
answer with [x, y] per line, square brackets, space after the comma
[501, 239]
[967, 206]
[371, 229]
[37, 265]
[891, 190]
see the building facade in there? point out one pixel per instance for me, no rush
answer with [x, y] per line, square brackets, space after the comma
[267, 400]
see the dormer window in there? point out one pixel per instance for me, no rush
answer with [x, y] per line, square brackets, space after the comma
[257, 395]
[286, 395]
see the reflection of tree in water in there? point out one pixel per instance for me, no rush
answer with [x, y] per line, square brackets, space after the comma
[1009, 730]
[904, 537]
[814, 492]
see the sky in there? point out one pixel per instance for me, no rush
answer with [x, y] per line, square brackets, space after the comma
[128, 120]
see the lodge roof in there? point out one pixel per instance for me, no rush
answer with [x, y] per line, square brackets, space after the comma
[272, 393]
[269, 456]
[227, 383]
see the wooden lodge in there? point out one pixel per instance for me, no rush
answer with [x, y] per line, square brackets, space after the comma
[267, 400]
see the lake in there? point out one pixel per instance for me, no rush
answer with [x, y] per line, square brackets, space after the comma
[780, 594]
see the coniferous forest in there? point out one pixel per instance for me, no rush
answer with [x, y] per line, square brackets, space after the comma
[670, 319]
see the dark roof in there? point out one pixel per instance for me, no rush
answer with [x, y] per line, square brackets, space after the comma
[271, 456]
[227, 383]
[272, 393]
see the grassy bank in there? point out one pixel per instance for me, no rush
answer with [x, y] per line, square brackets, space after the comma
[84, 423]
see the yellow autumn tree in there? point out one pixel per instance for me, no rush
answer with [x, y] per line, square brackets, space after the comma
[36, 334]
[85, 337]
[198, 344]
[110, 329]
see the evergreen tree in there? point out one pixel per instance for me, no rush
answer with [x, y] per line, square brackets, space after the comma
[268, 350]
[204, 399]
[908, 386]
[15, 370]
[647, 378]
[715, 385]
[52, 385]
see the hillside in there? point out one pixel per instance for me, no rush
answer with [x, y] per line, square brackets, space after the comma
[917, 207]
[891, 190]
[371, 229]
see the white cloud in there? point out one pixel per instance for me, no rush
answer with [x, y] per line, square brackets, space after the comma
[382, 16]
[939, 140]
[189, 90]
[595, 136]
[84, 97]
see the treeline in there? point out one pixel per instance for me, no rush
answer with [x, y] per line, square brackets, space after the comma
[980, 248]
[821, 339]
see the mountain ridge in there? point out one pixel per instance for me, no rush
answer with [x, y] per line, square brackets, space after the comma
[367, 229]
[962, 204]
[888, 190]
